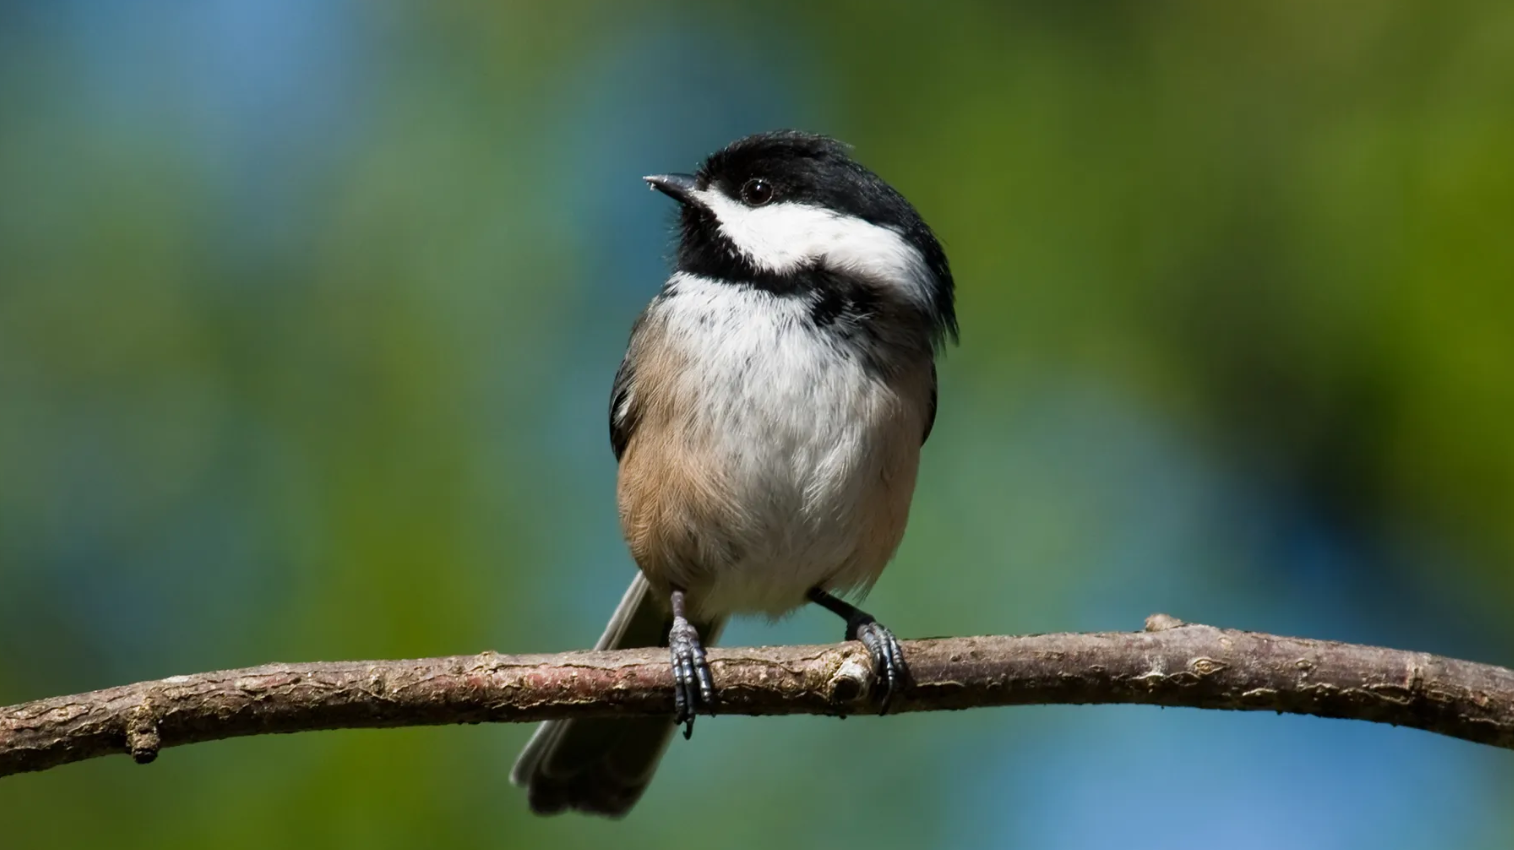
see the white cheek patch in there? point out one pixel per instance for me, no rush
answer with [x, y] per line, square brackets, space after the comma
[782, 237]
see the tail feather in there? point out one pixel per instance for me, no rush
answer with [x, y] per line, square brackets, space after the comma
[602, 765]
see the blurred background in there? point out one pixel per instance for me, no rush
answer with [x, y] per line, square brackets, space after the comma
[309, 312]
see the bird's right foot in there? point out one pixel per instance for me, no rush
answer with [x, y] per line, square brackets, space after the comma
[693, 687]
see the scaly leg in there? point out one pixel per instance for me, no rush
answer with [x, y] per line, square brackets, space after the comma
[888, 657]
[692, 686]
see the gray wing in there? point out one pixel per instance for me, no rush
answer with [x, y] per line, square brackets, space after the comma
[625, 409]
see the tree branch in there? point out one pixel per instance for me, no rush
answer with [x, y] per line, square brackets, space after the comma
[1168, 664]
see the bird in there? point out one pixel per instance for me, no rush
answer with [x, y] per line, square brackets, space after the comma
[767, 418]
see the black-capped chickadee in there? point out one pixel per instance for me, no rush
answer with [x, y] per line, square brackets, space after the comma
[768, 417]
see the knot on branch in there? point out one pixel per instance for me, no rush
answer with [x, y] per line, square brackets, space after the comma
[142, 738]
[852, 681]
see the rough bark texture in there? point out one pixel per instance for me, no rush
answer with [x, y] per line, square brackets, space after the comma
[1168, 664]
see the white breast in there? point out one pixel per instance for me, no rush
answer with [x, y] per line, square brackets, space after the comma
[807, 438]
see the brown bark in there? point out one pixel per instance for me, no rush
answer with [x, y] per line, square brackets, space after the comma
[1168, 664]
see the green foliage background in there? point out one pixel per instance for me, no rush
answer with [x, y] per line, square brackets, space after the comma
[308, 314]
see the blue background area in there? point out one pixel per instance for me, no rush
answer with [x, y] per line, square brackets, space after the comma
[309, 311]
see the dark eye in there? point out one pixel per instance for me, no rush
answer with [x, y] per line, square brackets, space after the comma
[756, 192]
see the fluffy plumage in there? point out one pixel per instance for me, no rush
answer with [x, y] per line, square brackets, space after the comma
[764, 462]
[767, 417]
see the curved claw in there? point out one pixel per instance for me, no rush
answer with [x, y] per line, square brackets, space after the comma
[887, 656]
[693, 687]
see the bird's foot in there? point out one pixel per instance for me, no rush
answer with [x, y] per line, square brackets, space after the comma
[693, 688]
[887, 655]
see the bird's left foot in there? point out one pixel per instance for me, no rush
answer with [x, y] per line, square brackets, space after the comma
[888, 656]
[882, 646]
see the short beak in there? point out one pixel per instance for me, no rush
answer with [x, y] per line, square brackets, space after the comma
[679, 187]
